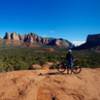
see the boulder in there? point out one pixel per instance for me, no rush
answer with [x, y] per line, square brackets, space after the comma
[48, 64]
[35, 66]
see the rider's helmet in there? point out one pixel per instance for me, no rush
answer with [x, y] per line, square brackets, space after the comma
[70, 51]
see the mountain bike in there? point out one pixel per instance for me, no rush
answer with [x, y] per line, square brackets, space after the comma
[62, 67]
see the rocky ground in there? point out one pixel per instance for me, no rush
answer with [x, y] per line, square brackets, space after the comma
[50, 85]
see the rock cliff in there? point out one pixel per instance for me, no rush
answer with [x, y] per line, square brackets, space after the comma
[7, 36]
[93, 41]
[34, 38]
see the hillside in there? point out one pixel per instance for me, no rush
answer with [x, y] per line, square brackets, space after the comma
[92, 42]
[19, 58]
[29, 85]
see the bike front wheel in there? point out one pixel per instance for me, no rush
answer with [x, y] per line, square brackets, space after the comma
[61, 68]
[76, 69]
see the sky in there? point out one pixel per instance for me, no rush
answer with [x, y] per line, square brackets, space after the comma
[69, 19]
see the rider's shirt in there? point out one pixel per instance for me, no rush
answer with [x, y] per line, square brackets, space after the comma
[69, 58]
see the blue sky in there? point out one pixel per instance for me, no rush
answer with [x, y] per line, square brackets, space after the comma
[69, 19]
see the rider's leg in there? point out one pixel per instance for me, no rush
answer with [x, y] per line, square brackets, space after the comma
[68, 67]
[72, 65]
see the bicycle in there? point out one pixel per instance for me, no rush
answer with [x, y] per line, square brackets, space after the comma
[62, 67]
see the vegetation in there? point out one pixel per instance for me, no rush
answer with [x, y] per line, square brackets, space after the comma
[88, 58]
[18, 58]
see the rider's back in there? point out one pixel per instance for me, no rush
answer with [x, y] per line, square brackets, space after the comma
[69, 57]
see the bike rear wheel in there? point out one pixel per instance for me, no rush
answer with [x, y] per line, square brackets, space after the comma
[61, 68]
[76, 69]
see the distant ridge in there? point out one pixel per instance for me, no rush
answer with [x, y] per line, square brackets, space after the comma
[32, 38]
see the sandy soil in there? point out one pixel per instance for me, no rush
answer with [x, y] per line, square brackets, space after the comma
[50, 85]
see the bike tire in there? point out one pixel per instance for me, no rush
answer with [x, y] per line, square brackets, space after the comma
[61, 68]
[76, 69]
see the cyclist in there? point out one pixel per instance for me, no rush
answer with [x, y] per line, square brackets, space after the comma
[69, 58]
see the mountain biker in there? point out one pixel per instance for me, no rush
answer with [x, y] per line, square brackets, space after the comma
[69, 58]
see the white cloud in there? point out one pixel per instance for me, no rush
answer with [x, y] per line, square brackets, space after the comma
[77, 43]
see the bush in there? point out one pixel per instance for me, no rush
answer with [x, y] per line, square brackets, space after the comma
[14, 58]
